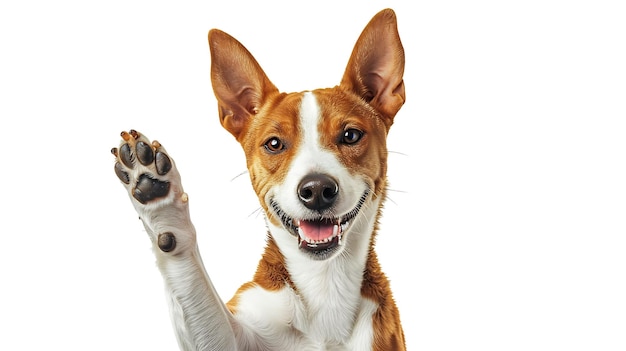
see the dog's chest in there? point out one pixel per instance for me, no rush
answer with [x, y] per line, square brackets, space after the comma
[323, 319]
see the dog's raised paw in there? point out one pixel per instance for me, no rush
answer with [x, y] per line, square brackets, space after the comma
[141, 165]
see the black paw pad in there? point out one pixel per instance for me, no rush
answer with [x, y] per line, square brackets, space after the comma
[148, 189]
[163, 163]
[145, 155]
[126, 156]
[121, 173]
[166, 242]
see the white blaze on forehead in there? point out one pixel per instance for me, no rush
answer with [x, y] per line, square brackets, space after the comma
[312, 157]
[309, 120]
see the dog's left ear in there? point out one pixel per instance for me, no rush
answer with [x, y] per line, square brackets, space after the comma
[376, 66]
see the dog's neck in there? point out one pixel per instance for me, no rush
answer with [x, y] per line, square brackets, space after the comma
[329, 290]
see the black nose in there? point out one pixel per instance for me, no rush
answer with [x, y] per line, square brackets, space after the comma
[318, 191]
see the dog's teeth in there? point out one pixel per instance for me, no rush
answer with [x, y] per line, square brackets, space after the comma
[335, 230]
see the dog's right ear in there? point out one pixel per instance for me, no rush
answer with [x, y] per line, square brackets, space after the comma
[240, 85]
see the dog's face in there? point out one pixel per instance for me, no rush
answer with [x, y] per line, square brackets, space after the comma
[317, 160]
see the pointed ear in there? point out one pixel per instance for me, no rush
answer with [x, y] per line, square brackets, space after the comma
[240, 85]
[376, 66]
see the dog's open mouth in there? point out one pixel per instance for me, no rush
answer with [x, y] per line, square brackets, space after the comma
[319, 236]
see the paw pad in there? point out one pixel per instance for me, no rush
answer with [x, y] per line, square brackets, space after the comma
[145, 155]
[126, 156]
[121, 173]
[163, 163]
[166, 242]
[135, 148]
[148, 189]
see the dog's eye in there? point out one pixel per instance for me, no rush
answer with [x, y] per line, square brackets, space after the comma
[274, 145]
[351, 136]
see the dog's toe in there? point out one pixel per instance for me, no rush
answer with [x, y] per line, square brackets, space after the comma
[145, 154]
[126, 156]
[121, 173]
[163, 163]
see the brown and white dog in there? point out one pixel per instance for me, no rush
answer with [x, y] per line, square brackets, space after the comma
[317, 161]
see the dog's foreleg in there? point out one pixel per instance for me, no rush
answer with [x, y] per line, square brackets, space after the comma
[200, 318]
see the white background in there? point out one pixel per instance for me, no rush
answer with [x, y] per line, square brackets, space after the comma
[505, 229]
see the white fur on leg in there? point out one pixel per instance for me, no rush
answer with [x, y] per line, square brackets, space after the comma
[200, 318]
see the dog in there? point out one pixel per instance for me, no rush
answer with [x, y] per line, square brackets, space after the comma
[317, 161]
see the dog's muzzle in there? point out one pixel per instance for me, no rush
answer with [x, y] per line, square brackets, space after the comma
[319, 235]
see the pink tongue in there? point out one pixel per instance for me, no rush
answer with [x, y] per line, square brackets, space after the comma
[316, 230]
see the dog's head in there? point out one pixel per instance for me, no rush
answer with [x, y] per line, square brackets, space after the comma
[317, 159]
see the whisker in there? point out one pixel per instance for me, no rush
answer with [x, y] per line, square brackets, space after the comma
[389, 199]
[238, 175]
[397, 191]
[397, 153]
[256, 212]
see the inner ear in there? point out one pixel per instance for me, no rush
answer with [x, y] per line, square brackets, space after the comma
[239, 83]
[376, 67]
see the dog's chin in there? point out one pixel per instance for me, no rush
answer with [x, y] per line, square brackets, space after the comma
[319, 237]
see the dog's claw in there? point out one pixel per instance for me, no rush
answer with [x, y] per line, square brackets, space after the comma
[125, 136]
[114, 151]
[134, 134]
